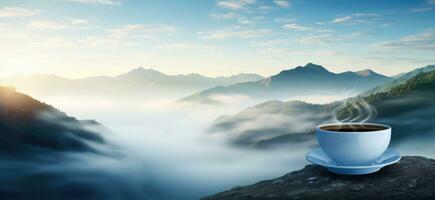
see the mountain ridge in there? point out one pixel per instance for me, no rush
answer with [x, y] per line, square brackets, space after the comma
[139, 81]
[308, 79]
[30, 128]
[407, 107]
[399, 79]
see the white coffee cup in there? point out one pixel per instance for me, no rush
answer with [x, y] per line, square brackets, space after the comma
[352, 147]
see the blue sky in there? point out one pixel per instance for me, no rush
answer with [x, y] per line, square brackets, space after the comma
[77, 38]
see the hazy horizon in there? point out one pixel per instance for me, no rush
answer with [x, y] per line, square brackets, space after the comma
[78, 38]
[188, 73]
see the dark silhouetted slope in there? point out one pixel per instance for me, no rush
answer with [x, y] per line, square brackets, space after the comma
[30, 128]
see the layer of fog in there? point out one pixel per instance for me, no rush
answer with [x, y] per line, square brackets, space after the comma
[160, 149]
[165, 151]
[415, 124]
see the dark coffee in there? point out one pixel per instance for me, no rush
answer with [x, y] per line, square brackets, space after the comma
[353, 128]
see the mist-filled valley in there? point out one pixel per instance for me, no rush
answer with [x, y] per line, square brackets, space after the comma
[157, 147]
[162, 149]
[184, 100]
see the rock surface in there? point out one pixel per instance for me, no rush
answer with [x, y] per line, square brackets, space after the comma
[412, 178]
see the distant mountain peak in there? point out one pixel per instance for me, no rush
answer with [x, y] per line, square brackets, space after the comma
[315, 67]
[369, 73]
[142, 69]
[366, 72]
[141, 73]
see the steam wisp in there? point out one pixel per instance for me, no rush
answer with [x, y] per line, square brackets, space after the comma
[354, 110]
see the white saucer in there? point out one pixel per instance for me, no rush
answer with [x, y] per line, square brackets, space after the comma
[318, 157]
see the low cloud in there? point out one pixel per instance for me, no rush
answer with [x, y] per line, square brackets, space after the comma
[328, 38]
[234, 33]
[264, 8]
[317, 39]
[184, 46]
[424, 41]
[17, 12]
[241, 19]
[235, 4]
[252, 20]
[68, 23]
[230, 99]
[269, 43]
[279, 53]
[342, 19]
[271, 122]
[421, 9]
[102, 2]
[10, 31]
[76, 21]
[297, 27]
[282, 3]
[47, 25]
[141, 30]
[356, 18]
[122, 35]
[287, 19]
[230, 15]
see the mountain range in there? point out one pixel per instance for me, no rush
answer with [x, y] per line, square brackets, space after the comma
[302, 80]
[139, 81]
[407, 107]
[399, 79]
[39, 142]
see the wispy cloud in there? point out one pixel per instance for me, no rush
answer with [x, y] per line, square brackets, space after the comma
[252, 20]
[184, 46]
[131, 34]
[17, 12]
[264, 8]
[244, 20]
[230, 15]
[141, 30]
[235, 4]
[401, 59]
[234, 32]
[47, 25]
[297, 27]
[284, 19]
[328, 38]
[317, 39]
[68, 23]
[280, 53]
[241, 19]
[282, 3]
[8, 31]
[421, 9]
[342, 19]
[103, 2]
[421, 41]
[356, 18]
[76, 21]
[269, 43]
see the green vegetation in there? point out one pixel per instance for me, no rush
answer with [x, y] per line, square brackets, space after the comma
[423, 81]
